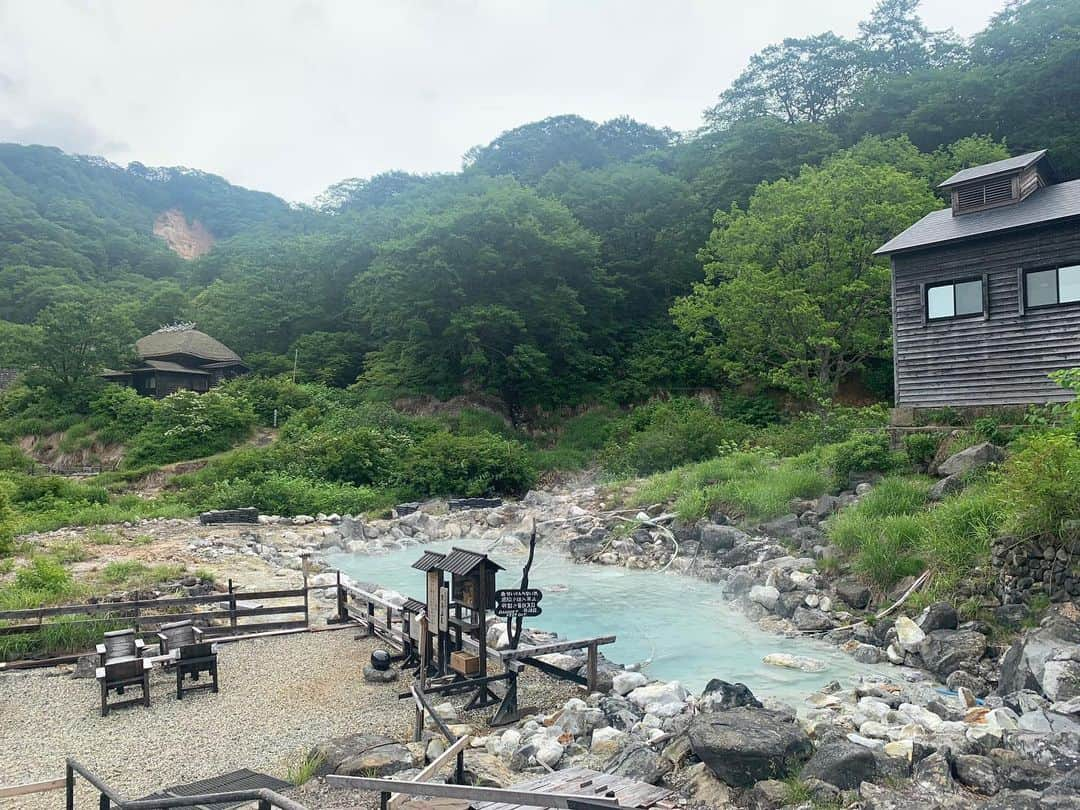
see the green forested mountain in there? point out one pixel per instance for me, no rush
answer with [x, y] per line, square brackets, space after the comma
[572, 260]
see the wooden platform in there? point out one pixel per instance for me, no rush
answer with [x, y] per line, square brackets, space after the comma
[585, 782]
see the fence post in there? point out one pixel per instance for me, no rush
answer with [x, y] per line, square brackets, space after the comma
[69, 787]
[342, 610]
[592, 662]
[304, 564]
[103, 802]
[264, 804]
[232, 606]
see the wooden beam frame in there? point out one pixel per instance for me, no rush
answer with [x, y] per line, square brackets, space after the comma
[558, 801]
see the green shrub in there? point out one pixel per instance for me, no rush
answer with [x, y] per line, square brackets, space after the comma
[282, 493]
[363, 456]
[816, 428]
[888, 553]
[187, 425]
[959, 531]
[466, 466]
[920, 448]
[267, 395]
[7, 515]
[1039, 486]
[40, 492]
[44, 575]
[663, 435]
[12, 458]
[70, 551]
[895, 495]
[863, 452]
[1070, 379]
[119, 413]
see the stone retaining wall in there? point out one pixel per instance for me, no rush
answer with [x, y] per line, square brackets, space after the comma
[1036, 567]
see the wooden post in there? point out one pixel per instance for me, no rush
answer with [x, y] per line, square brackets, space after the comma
[69, 787]
[232, 606]
[421, 680]
[592, 665]
[304, 566]
[103, 802]
[342, 610]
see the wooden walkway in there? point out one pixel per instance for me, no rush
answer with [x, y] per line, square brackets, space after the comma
[585, 782]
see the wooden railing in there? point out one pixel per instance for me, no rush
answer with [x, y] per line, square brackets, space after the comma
[148, 614]
[108, 797]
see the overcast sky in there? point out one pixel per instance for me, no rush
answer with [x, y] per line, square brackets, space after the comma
[289, 96]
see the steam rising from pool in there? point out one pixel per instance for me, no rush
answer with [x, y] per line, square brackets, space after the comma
[683, 627]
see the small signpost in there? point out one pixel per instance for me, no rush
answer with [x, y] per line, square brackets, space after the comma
[517, 603]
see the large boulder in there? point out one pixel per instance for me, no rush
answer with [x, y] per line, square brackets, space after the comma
[746, 745]
[661, 699]
[938, 616]
[978, 773]
[971, 458]
[855, 593]
[1057, 640]
[843, 764]
[362, 755]
[638, 761]
[945, 651]
[809, 619]
[720, 696]
[716, 537]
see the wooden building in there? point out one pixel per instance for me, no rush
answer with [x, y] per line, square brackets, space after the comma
[178, 358]
[986, 293]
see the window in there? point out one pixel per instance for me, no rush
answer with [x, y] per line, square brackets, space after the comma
[1045, 288]
[958, 299]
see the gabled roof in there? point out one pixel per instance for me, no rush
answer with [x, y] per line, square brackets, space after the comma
[461, 562]
[1013, 164]
[430, 560]
[1048, 204]
[169, 341]
[168, 365]
[414, 606]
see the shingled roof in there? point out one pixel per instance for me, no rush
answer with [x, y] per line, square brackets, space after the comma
[1013, 164]
[169, 341]
[1056, 202]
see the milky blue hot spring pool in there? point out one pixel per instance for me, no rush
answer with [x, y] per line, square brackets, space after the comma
[682, 627]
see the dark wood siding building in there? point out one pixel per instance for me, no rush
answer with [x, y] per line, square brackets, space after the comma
[179, 358]
[986, 294]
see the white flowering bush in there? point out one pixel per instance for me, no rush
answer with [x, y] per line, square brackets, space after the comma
[188, 425]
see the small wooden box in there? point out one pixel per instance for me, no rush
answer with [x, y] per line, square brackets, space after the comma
[465, 663]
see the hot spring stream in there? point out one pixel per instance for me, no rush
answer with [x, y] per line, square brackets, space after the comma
[684, 627]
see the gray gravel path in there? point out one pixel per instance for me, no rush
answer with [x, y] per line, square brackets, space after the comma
[279, 697]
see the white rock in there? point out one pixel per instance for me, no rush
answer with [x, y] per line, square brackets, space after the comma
[872, 728]
[800, 662]
[908, 634]
[812, 600]
[764, 595]
[549, 752]
[894, 655]
[607, 741]
[967, 697]
[866, 742]
[626, 682]
[661, 699]
[901, 749]
[920, 715]
[825, 604]
[873, 708]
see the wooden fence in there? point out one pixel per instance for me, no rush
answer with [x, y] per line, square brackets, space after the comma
[147, 615]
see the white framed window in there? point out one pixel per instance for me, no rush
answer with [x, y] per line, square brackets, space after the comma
[955, 299]
[1052, 286]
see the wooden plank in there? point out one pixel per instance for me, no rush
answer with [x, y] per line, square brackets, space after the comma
[553, 647]
[471, 793]
[285, 594]
[433, 768]
[32, 787]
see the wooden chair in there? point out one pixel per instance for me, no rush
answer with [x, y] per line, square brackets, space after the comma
[127, 671]
[120, 645]
[191, 655]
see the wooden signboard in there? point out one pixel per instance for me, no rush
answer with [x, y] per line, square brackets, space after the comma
[515, 603]
[444, 609]
[434, 579]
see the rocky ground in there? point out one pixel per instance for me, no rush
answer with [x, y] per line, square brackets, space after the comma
[968, 717]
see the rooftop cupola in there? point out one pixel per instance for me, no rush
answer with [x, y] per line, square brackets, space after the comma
[1003, 182]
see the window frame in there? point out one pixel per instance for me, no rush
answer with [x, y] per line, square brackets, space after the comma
[982, 313]
[1057, 268]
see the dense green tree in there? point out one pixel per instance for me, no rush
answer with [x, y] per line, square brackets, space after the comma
[805, 79]
[897, 42]
[500, 293]
[72, 342]
[792, 295]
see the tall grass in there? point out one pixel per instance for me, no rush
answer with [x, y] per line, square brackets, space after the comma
[750, 485]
